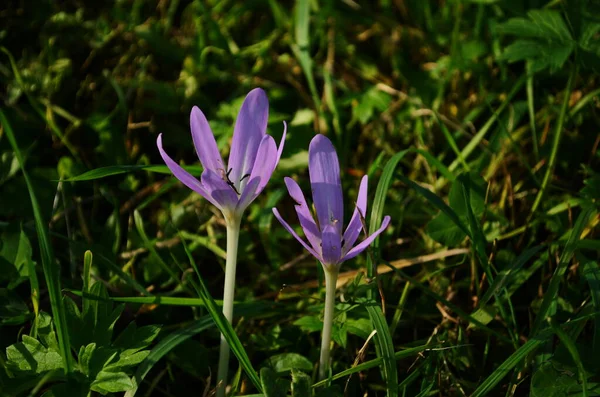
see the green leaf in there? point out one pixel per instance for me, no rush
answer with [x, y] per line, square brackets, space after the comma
[592, 187]
[547, 381]
[289, 361]
[30, 356]
[591, 272]
[51, 271]
[127, 360]
[272, 385]
[542, 24]
[16, 249]
[561, 268]
[85, 356]
[133, 339]
[104, 172]
[13, 309]
[111, 382]
[44, 328]
[511, 362]
[300, 384]
[543, 38]
[445, 231]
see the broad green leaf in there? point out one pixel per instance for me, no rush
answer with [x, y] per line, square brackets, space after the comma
[544, 24]
[30, 356]
[133, 339]
[124, 361]
[547, 381]
[85, 356]
[111, 382]
[44, 328]
[443, 230]
[300, 384]
[16, 249]
[272, 385]
[289, 361]
[13, 310]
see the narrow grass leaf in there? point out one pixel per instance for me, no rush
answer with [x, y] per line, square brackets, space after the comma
[561, 268]
[375, 362]
[570, 345]
[437, 202]
[511, 362]
[506, 275]
[591, 272]
[224, 326]
[104, 172]
[51, 270]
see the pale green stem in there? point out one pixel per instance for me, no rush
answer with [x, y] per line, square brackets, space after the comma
[331, 276]
[233, 234]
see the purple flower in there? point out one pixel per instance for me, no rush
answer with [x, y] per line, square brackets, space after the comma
[254, 155]
[325, 239]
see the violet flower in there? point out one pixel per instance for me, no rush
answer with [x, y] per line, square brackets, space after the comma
[253, 158]
[326, 242]
[231, 187]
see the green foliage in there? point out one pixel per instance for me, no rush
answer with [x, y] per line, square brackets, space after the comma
[103, 365]
[475, 120]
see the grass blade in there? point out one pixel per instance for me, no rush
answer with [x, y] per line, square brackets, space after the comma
[511, 362]
[591, 272]
[224, 326]
[104, 172]
[384, 344]
[375, 362]
[505, 275]
[51, 271]
[560, 270]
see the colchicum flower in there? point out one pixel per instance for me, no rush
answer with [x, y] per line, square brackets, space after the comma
[253, 158]
[231, 187]
[326, 242]
[325, 239]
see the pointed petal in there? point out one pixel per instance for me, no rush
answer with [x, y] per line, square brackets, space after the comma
[266, 161]
[332, 247]
[355, 226]
[293, 233]
[204, 141]
[185, 177]
[250, 127]
[248, 195]
[366, 242]
[324, 170]
[282, 142]
[311, 231]
[219, 190]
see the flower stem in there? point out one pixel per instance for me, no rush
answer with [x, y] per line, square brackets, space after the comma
[233, 234]
[331, 276]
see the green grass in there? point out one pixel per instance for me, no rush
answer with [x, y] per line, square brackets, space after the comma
[476, 121]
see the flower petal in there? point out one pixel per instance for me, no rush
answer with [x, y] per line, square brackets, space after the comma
[355, 226]
[324, 170]
[250, 127]
[266, 161]
[293, 233]
[204, 141]
[248, 195]
[332, 247]
[219, 190]
[282, 142]
[366, 242]
[185, 177]
[311, 231]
